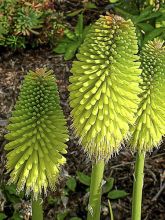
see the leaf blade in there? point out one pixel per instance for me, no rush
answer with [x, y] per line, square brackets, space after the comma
[85, 179]
[117, 194]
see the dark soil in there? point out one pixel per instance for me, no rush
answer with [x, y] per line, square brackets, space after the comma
[13, 67]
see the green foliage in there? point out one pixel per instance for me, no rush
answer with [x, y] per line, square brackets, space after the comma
[86, 6]
[113, 193]
[160, 22]
[71, 183]
[75, 218]
[108, 185]
[11, 193]
[26, 22]
[113, 1]
[147, 19]
[72, 40]
[117, 194]
[149, 126]
[16, 216]
[84, 179]
[37, 134]
[14, 199]
[52, 200]
[15, 42]
[62, 215]
[89, 5]
[2, 216]
[104, 88]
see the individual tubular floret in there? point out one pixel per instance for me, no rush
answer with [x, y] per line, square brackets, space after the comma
[104, 86]
[37, 134]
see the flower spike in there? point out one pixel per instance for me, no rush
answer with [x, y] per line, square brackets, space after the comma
[150, 123]
[37, 134]
[104, 86]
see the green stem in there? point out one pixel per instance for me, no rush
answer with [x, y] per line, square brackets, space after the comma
[138, 186]
[95, 191]
[37, 212]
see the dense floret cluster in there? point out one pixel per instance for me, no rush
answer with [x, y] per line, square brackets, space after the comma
[150, 127]
[37, 134]
[104, 88]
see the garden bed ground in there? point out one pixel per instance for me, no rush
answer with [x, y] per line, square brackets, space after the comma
[13, 67]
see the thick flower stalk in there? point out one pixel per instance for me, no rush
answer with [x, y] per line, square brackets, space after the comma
[37, 135]
[150, 123]
[103, 93]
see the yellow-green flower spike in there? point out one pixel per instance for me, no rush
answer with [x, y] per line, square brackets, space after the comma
[37, 134]
[104, 88]
[150, 124]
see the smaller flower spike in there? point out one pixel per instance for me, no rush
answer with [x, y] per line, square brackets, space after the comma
[104, 90]
[150, 123]
[37, 134]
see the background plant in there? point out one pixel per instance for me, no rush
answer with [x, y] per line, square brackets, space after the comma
[147, 16]
[26, 22]
[13, 199]
[71, 41]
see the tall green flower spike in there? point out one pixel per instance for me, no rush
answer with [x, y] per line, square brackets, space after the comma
[37, 134]
[104, 95]
[104, 88]
[150, 123]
